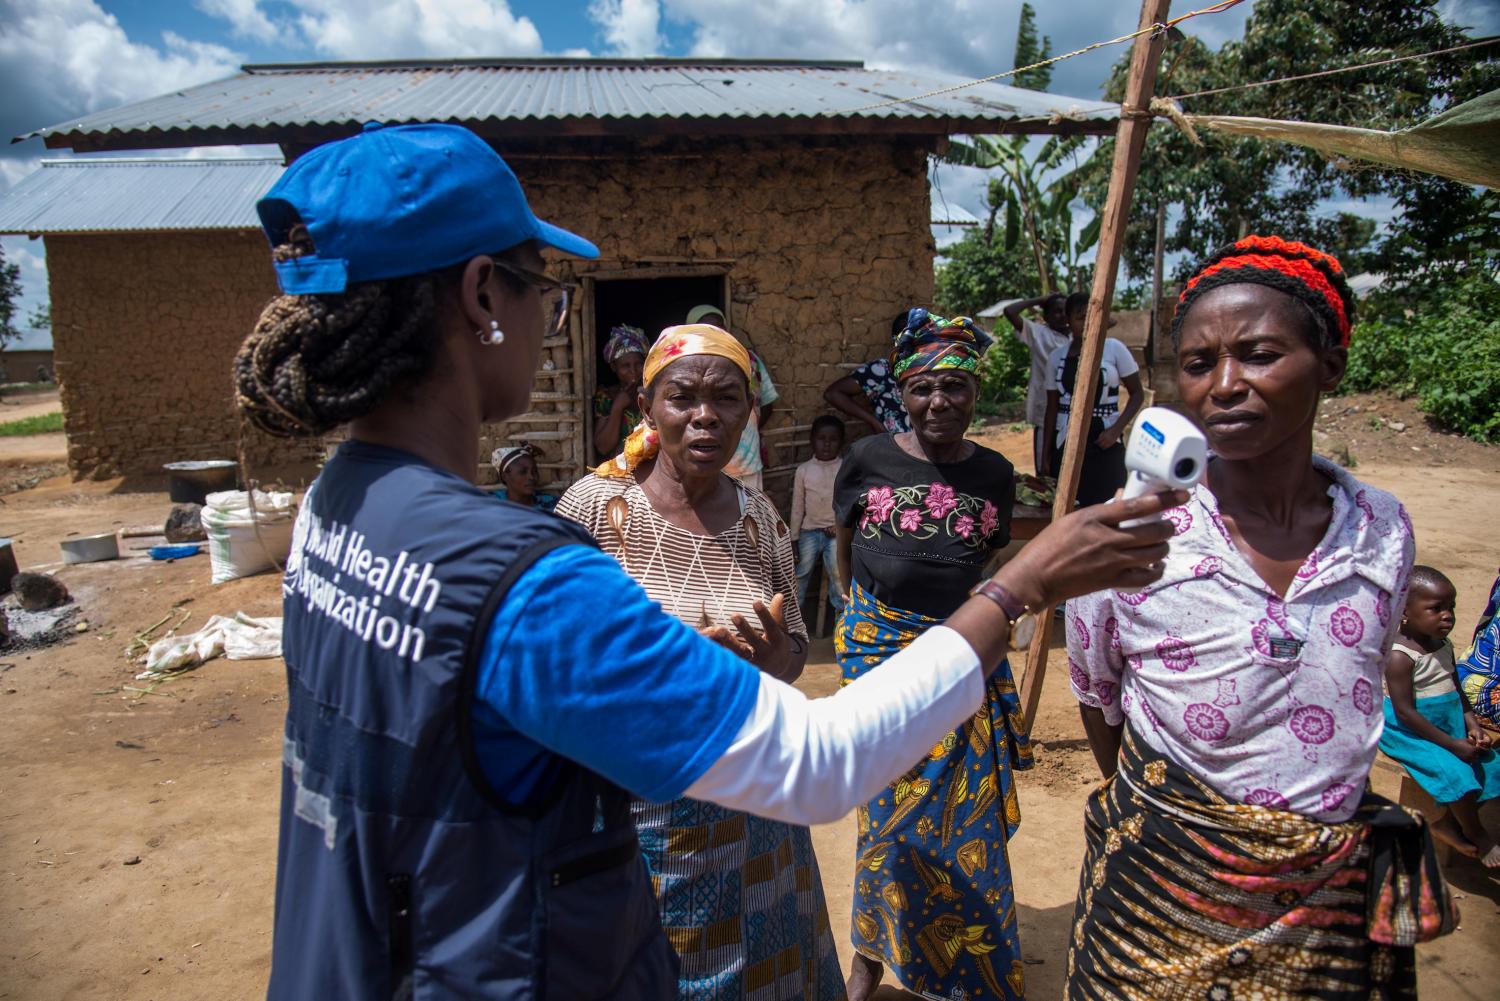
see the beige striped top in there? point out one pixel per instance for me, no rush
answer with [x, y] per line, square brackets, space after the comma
[703, 580]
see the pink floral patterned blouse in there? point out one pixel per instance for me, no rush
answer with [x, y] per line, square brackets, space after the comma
[1268, 700]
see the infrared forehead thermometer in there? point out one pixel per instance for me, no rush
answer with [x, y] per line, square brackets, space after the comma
[1166, 452]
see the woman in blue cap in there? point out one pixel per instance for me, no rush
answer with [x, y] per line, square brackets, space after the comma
[474, 689]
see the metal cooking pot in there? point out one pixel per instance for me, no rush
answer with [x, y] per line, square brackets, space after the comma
[192, 482]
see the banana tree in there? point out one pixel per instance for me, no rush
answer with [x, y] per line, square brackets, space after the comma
[1042, 210]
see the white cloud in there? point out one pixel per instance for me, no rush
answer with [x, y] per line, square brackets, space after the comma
[630, 27]
[63, 58]
[245, 18]
[394, 29]
[1481, 17]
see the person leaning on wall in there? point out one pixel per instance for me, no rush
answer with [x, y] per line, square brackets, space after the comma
[474, 689]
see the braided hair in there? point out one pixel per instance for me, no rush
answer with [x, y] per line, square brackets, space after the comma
[313, 362]
[1314, 279]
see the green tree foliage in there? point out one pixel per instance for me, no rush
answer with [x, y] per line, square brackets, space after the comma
[10, 291]
[1234, 185]
[1439, 341]
[978, 273]
[1028, 212]
[41, 317]
[1029, 51]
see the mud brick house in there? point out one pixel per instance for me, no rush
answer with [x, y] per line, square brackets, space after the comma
[772, 188]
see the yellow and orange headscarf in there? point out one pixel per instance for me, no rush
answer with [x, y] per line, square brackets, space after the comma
[674, 343]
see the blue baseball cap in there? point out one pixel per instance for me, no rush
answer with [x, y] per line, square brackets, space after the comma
[400, 200]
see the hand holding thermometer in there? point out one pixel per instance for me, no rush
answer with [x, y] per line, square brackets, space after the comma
[1166, 452]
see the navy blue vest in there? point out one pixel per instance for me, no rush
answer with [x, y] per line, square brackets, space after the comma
[401, 873]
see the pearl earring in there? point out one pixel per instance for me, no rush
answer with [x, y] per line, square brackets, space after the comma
[492, 336]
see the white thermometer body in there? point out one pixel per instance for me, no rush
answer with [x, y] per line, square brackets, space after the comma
[1166, 452]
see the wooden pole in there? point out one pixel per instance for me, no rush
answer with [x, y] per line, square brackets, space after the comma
[1130, 140]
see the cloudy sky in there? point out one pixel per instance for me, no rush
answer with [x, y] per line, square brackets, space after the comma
[62, 58]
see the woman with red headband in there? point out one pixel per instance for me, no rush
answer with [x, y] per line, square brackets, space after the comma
[1234, 705]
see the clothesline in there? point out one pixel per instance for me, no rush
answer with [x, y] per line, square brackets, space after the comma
[1156, 28]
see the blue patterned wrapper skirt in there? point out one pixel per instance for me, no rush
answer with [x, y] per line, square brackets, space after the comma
[741, 902]
[933, 899]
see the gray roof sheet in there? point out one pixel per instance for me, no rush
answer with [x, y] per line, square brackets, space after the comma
[262, 101]
[946, 213]
[121, 195]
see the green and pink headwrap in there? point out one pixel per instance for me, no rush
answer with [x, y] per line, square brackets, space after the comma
[930, 343]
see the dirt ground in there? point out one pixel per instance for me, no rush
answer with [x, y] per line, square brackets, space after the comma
[138, 831]
[27, 460]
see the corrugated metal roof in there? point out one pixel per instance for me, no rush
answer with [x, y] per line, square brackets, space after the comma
[263, 100]
[952, 214]
[120, 195]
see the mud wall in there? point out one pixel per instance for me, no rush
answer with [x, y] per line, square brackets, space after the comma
[824, 242]
[144, 330]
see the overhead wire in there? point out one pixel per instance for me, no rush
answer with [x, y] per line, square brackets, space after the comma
[1335, 70]
[1153, 29]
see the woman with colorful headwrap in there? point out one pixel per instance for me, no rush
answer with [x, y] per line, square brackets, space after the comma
[1234, 706]
[740, 896]
[920, 513]
[616, 412]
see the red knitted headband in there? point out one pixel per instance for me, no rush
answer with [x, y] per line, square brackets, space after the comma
[1304, 272]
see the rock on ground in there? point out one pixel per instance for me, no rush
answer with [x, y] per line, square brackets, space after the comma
[185, 524]
[38, 591]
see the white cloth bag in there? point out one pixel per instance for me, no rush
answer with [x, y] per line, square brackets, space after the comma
[242, 543]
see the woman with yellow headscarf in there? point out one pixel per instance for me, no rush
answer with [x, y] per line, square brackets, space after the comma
[740, 896]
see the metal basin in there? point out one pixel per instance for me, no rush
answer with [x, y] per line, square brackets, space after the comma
[91, 548]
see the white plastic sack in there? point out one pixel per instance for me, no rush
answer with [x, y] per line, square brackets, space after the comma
[240, 638]
[241, 544]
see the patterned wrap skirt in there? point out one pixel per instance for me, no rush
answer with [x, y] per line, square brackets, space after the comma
[741, 902]
[1185, 895]
[932, 885]
[1479, 667]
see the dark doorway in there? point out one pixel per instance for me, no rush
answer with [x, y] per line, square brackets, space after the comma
[649, 303]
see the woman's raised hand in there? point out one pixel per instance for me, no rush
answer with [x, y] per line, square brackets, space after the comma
[1088, 551]
[768, 648]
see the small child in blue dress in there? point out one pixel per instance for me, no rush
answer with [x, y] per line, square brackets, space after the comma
[520, 478]
[1429, 727]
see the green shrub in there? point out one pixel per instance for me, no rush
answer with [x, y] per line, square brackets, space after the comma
[40, 424]
[1441, 343]
[1003, 373]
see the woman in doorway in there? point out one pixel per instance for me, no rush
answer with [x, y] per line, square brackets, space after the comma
[520, 477]
[1235, 704]
[1103, 457]
[616, 412]
[740, 896]
[920, 513]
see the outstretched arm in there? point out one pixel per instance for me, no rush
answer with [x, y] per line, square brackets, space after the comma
[569, 671]
[846, 397]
